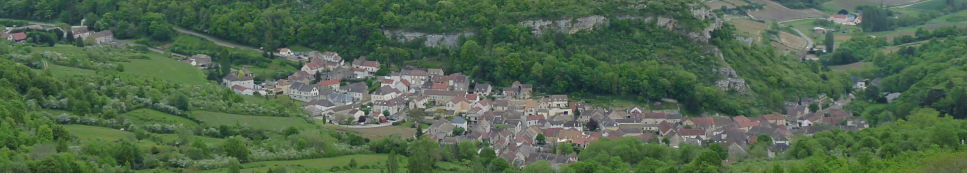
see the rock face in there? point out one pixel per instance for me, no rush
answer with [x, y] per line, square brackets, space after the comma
[569, 26]
[445, 40]
[589, 23]
[731, 81]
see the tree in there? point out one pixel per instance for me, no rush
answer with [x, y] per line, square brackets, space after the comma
[592, 125]
[235, 147]
[352, 163]
[458, 131]
[290, 131]
[538, 167]
[392, 163]
[180, 101]
[423, 155]
[419, 130]
[127, 153]
[541, 139]
[830, 41]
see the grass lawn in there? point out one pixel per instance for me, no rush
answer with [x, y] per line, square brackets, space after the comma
[278, 99]
[65, 71]
[150, 116]
[858, 66]
[92, 133]
[164, 68]
[320, 165]
[258, 122]
[381, 132]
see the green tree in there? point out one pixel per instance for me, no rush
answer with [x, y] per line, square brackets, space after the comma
[541, 140]
[237, 148]
[538, 167]
[830, 41]
[423, 155]
[392, 163]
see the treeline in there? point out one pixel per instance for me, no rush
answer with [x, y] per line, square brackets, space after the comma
[923, 34]
[926, 141]
[628, 57]
[930, 75]
[854, 50]
[802, 4]
[877, 18]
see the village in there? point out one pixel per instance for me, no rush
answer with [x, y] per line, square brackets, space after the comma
[521, 125]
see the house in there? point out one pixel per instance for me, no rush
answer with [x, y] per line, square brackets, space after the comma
[103, 37]
[518, 90]
[482, 89]
[301, 76]
[414, 76]
[435, 72]
[243, 90]
[328, 56]
[775, 119]
[701, 123]
[80, 32]
[360, 73]
[458, 105]
[554, 101]
[313, 67]
[319, 106]
[441, 97]
[285, 52]
[357, 90]
[303, 92]
[744, 123]
[239, 77]
[201, 61]
[16, 37]
[331, 84]
[692, 133]
[385, 93]
[459, 122]
[391, 106]
[843, 17]
[368, 66]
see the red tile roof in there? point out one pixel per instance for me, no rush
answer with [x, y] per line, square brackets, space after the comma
[772, 117]
[703, 121]
[328, 82]
[691, 132]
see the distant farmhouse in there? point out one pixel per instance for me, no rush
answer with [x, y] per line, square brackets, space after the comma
[843, 17]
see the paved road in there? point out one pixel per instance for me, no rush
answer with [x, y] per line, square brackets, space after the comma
[217, 41]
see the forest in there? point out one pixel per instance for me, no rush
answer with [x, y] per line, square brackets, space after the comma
[930, 75]
[627, 58]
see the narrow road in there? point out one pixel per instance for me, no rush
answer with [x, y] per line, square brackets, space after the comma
[217, 41]
[809, 41]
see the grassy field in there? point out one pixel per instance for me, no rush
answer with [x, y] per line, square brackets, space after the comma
[156, 66]
[858, 66]
[776, 12]
[381, 132]
[93, 133]
[258, 122]
[956, 19]
[65, 71]
[319, 165]
[749, 28]
[150, 116]
[279, 99]
[164, 68]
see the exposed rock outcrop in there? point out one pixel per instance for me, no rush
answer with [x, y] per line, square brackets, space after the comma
[589, 23]
[569, 26]
[730, 80]
[445, 40]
